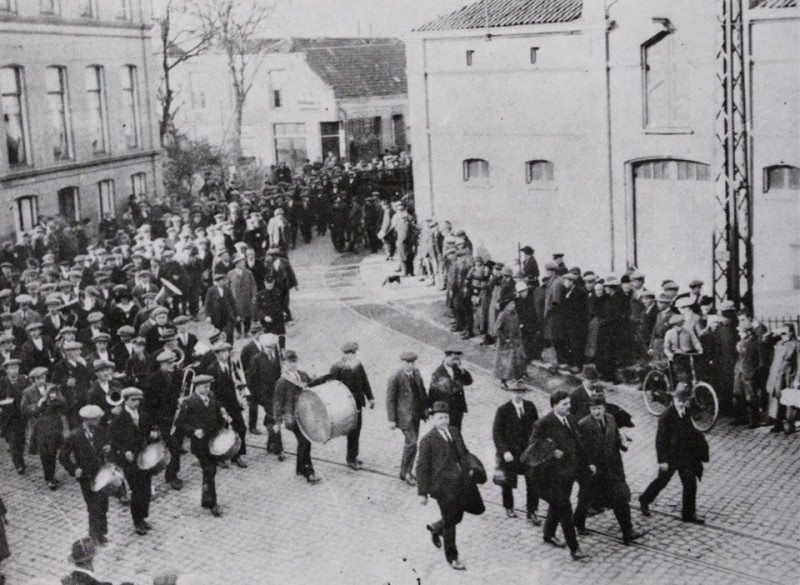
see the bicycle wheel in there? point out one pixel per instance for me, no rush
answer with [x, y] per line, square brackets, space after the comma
[704, 407]
[657, 392]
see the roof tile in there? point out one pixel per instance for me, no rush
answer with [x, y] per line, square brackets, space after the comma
[503, 13]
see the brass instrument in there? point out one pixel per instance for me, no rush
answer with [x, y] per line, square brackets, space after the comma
[181, 357]
[114, 398]
[187, 387]
[240, 381]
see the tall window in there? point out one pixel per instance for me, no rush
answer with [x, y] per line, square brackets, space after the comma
[538, 171]
[13, 106]
[476, 169]
[278, 80]
[399, 130]
[105, 197]
[781, 177]
[69, 204]
[58, 112]
[290, 144]
[125, 9]
[130, 106]
[139, 185]
[8, 6]
[666, 84]
[89, 8]
[97, 109]
[330, 138]
[27, 214]
[49, 6]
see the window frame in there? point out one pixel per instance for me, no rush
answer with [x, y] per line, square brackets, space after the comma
[470, 57]
[109, 195]
[125, 10]
[65, 110]
[8, 6]
[130, 74]
[53, 10]
[480, 180]
[139, 195]
[89, 9]
[548, 171]
[768, 181]
[19, 219]
[674, 125]
[99, 76]
[76, 201]
[21, 97]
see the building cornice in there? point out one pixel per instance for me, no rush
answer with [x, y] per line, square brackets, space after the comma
[57, 25]
[25, 174]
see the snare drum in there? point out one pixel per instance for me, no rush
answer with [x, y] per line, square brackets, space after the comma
[108, 479]
[225, 444]
[154, 458]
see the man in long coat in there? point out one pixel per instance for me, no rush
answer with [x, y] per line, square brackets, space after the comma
[782, 374]
[406, 405]
[553, 312]
[243, 289]
[262, 372]
[350, 371]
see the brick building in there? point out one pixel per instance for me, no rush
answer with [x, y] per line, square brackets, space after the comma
[78, 102]
[592, 131]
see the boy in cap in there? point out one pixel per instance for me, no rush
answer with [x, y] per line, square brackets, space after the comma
[441, 474]
[350, 371]
[200, 418]
[85, 451]
[287, 389]
[406, 406]
[44, 405]
[513, 424]
[131, 430]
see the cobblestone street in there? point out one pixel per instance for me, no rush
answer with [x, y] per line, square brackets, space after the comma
[368, 528]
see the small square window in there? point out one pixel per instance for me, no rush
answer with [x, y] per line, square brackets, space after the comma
[534, 55]
[470, 55]
[276, 98]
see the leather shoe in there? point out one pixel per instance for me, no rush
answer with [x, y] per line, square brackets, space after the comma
[53, 485]
[534, 519]
[644, 507]
[140, 530]
[693, 520]
[511, 513]
[457, 565]
[312, 479]
[409, 479]
[216, 511]
[281, 457]
[222, 464]
[578, 555]
[146, 525]
[21, 470]
[240, 463]
[354, 465]
[555, 541]
[176, 484]
[435, 537]
[101, 540]
[582, 531]
[255, 432]
[629, 538]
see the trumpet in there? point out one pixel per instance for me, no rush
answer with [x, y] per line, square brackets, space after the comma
[114, 398]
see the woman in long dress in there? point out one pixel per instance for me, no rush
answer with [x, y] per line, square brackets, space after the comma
[510, 362]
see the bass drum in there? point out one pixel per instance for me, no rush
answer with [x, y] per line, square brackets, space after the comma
[225, 444]
[326, 411]
[154, 458]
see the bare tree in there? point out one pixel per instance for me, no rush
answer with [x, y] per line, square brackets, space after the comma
[236, 26]
[177, 45]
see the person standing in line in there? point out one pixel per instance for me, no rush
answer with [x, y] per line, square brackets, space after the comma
[406, 403]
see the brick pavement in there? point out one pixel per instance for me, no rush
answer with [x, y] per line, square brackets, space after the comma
[368, 527]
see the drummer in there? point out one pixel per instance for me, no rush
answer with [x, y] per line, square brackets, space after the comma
[85, 450]
[130, 431]
[201, 419]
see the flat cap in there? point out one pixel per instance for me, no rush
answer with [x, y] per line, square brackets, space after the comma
[94, 317]
[37, 372]
[695, 283]
[221, 346]
[126, 330]
[645, 293]
[408, 356]
[102, 365]
[677, 320]
[527, 250]
[11, 362]
[166, 356]
[453, 351]
[180, 320]
[440, 406]
[520, 286]
[664, 298]
[159, 311]
[72, 345]
[100, 337]
[132, 392]
[349, 347]
[53, 301]
[33, 326]
[290, 355]
[636, 275]
[611, 280]
[27, 299]
[551, 266]
[91, 411]
[558, 255]
[200, 379]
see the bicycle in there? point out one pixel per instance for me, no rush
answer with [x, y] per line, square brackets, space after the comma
[658, 387]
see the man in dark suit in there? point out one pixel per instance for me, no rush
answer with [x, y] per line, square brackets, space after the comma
[220, 310]
[287, 389]
[530, 268]
[580, 398]
[123, 349]
[447, 385]
[603, 444]
[251, 349]
[262, 373]
[225, 391]
[513, 424]
[406, 403]
[350, 371]
[13, 423]
[162, 391]
[200, 419]
[575, 311]
[186, 340]
[45, 405]
[73, 378]
[85, 450]
[268, 308]
[130, 432]
[554, 292]
[37, 351]
[442, 474]
[558, 474]
[679, 447]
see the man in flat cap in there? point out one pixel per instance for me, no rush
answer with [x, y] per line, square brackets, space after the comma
[13, 422]
[287, 390]
[73, 378]
[123, 349]
[447, 385]
[131, 431]
[555, 291]
[561, 267]
[350, 371]
[162, 392]
[200, 419]
[105, 392]
[262, 372]
[513, 423]
[530, 268]
[243, 289]
[219, 306]
[44, 405]
[442, 474]
[406, 406]
[37, 351]
[86, 449]
[226, 391]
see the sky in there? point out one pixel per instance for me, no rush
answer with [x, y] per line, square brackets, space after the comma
[342, 18]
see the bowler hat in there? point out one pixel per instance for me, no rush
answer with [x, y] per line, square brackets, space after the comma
[82, 550]
[349, 347]
[527, 250]
[590, 372]
[440, 406]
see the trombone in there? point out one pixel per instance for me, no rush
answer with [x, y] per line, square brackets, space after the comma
[187, 386]
[240, 381]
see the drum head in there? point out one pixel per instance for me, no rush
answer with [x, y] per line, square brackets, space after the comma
[152, 456]
[108, 479]
[223, 443]
[313, 418]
